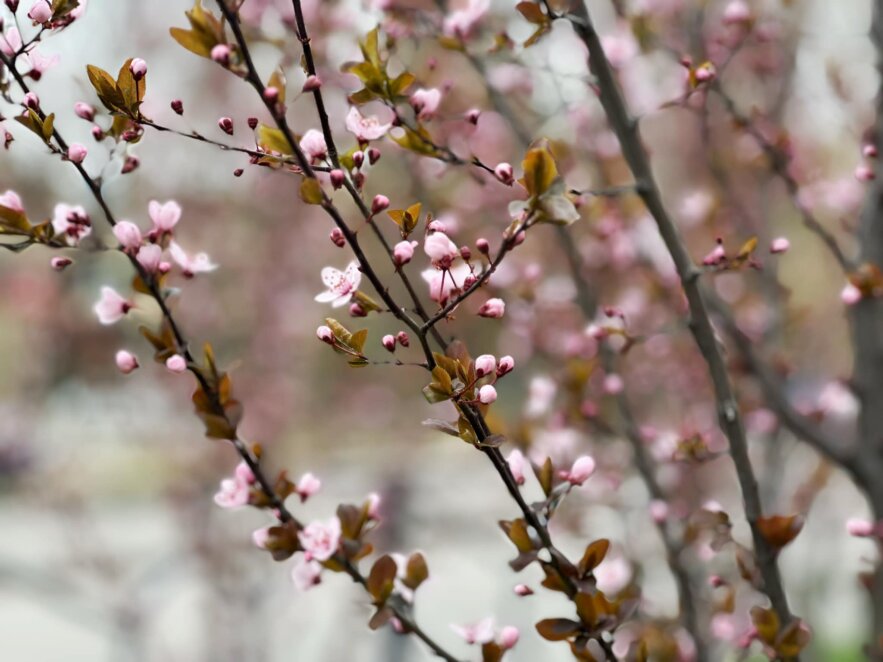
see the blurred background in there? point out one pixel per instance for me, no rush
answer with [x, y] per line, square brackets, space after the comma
[111, 545]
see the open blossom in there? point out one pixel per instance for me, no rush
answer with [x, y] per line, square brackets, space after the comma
[462, 22]
[235, 492]
[320, 539]
[425, 102]
[307, 486]
[313, 145]
[191, 264]
[494, 308]
[364, 128]
[11, 200]
[442, 284]
[441, 250]
[476, 633]
[39, 63]
[165, 216]
[517, 465]
[10, 42]
[341, 284]
[112, 306]
[71, 221]
[150, 257]
[306, 574]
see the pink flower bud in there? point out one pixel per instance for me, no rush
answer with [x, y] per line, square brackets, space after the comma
[864, 173]
[338, 178]
[737, 12]
[469, 281]
[485, 365]
[138, 67]
[403, 252]
[126, 361]
[337, 238]
[84, 111]
[373, 155]
[389, 342]
[307, 486]
[60, 263]
[869, 151]
[40, 12]
[465, 253]
[779, 245]
[176, 363]
[494, 308]
[97, 133]
[518, 239]
[473, 115]
[522, 590]
[238, 172]
[372, 506]
[379, 203]
[252, 123]
[850, 294]
[859, 528]
[226, 125]
[312, 83]
[178, 106]
[503, 172]
[483, 245]
[76, 153]
[221, 54]
[658, 510]
[506, 365]
[403, 339]
[271, 95]
[131, 163]
[358, 158]
[508, 637]
[487, 394]
[582, 468]
[436, 225]
[260, 537]
[518, 465]
[716, 581]
[613, 384]
[128, 234]
[356, 310]
[325, 334]
[30, 100]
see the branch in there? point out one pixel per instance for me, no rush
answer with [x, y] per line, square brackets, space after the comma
[730, 420]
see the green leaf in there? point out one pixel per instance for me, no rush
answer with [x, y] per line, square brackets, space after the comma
[273, 140]
[206, 31]
[311, 191]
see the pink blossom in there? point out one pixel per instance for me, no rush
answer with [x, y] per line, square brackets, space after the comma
[191, 265]
[40, 11]
[128, 234]
[613, 384]
[341, 284]
[372, 506]
[403, 252]
[306, 574]
[613, 575]
[508, 637]
[165, 216]
[476, 633]
[31, 100]
[71, 221]
[494, 308]
[389, 342]
[338, 178]
[379, 203]
[138, 67]
[363, 128]
[425, 103]
[443, 283]
[313, 145]
[39, 63]
[716, 256]
[462, 22]
[659, 510]
[518, 465]
[859, 528]
[507, 365]
[126, 361]
[779, 245]
[60, 263]
[320, 539]
[11, 200]
[850, 294]
[485, 365]
[220, 53]
[84, 111]
[522, 590]
[736, 12]
[111, 307]
[487, 394]
[176, 363]
[307, 486]
[312, 83]
[441, 250]
[10, 42]
[864, 173]
[619, 48]
[235, 492]
[150, 257]
[225, 124]
[583, 467]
